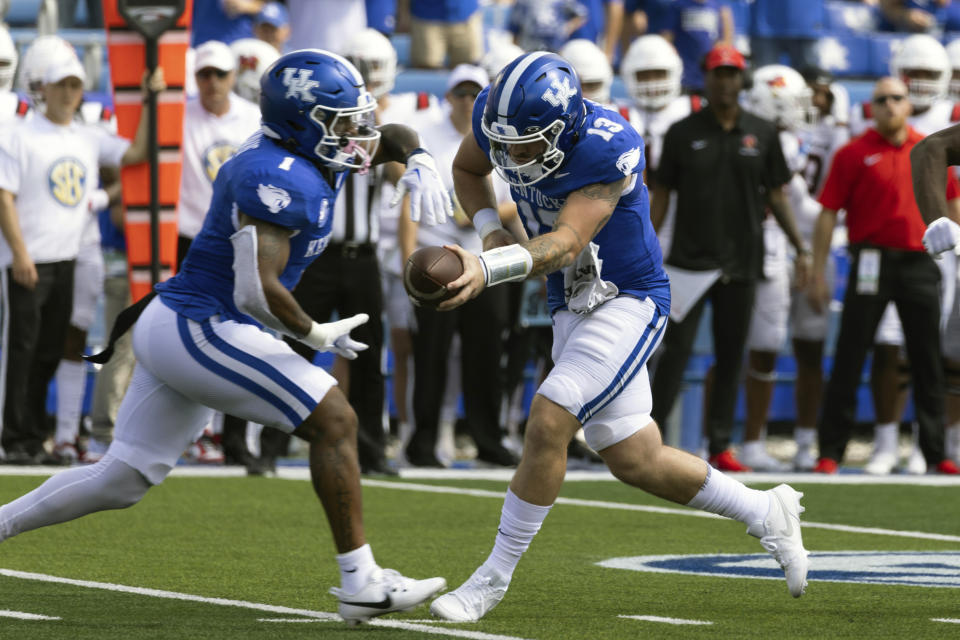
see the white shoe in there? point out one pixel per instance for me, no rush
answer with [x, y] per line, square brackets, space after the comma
[881, 463]
[804, 460]
[386, 591]
[779, 534]
[473, 599]
[916, 464]
[757, 458]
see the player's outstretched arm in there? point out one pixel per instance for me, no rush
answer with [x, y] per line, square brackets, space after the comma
[261, 251]
[929, 161]
[428, 196]
[581, 218]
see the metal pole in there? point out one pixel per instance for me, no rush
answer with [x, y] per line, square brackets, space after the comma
[153, 153]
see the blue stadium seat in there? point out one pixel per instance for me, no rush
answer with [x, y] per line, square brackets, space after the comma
[23, 13]
[880, 49]
[788, 18]
[845, 54]
[741, 15]
[843, 16]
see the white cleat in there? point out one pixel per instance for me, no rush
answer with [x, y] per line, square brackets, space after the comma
[473, 599]
[779, 534]
[757, 458]
[386, 591]
[881, 463]
[804, 460]
[916, 464]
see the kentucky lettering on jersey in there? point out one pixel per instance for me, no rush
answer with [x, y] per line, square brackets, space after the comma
[263, 181]
[608, 149]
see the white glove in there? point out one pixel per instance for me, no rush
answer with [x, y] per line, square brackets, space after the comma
[942, 235]
[335, 336]
[99, 200]
[428, 196]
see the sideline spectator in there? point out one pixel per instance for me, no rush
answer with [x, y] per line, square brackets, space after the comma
[885, 229]
[223, 20]
[325, 24]
[726, 165]
[694, 27]
[47, 167]
[545, 25]
[272, 25]
[451, 30]
[916, 16]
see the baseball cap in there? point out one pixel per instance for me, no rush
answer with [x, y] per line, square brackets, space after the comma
[60, 69]
[216, 54]
[273, 13]
[467, 73]
[724, 55]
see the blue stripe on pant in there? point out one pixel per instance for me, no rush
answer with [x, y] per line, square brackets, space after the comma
[634, 362]
[233, 376]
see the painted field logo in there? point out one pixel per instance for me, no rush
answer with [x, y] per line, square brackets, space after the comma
[902, 568]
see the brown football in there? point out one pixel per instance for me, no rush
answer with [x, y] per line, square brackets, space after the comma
[427, 273]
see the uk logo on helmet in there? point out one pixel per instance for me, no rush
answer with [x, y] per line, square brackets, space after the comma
[299, 84]
[561, 93]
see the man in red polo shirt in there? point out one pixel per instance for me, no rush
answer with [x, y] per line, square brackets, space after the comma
[871, 179]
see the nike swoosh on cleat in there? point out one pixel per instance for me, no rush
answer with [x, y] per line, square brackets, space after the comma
[386, 603]
[788, 531]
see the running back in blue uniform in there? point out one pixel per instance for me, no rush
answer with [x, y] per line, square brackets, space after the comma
[200, 347]
[575, 172]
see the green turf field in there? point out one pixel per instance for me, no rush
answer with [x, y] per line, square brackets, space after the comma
[251, 558]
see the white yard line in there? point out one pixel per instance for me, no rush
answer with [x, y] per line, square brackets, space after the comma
[948, 620]
[306, 613]
[676, 511]
[20, 615]
[666, 620]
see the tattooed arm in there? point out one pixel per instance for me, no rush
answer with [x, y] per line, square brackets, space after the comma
[581, 218]
[273, 252]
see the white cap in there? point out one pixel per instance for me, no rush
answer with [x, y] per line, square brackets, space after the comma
[216, 54]
[467, 73]
[64, 68]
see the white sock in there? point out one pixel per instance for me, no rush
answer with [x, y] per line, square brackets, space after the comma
[885, 437]
[805, 437]
[71, 384]
[519, 522]
[730, 498]
[952, 441]
[355, 567]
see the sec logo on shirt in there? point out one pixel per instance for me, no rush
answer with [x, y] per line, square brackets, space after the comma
[68, 181]
[214, 157]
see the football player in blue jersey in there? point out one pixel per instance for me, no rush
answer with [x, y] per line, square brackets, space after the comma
[202, 343]
[575, 170]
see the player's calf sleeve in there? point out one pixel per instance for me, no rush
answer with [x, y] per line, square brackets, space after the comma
[519, 522]
[730, 498]
[109, 484]
[71, 379]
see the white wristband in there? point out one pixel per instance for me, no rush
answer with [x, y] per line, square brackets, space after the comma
[505, 264]
[486, 221]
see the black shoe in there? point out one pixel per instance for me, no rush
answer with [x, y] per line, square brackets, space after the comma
[379, 468]
[262, 466]
[501, 457]
[427, 461]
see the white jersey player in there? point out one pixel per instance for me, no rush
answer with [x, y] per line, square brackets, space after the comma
[781, 95]
[651, 71]
[253, 56]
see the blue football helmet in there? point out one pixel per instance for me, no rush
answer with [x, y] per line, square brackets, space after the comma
[315, 104]
[536, 99]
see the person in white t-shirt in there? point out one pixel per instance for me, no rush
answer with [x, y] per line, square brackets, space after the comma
[48, 166]
[481, 322]
[214, 125]
[325, 24]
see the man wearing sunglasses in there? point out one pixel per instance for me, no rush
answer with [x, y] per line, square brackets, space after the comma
[870, 178]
